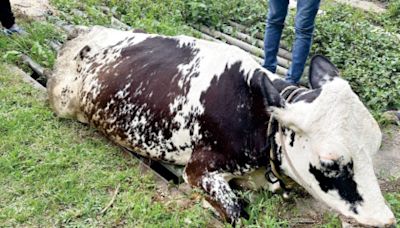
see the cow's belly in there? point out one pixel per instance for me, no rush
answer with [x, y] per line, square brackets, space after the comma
[154, 150]
[143, 127]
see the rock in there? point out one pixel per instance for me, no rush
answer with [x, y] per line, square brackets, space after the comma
[392, 116]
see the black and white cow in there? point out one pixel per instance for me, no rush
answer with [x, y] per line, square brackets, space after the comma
[208, 106]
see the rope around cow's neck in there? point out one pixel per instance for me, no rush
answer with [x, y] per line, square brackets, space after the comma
[273, 153]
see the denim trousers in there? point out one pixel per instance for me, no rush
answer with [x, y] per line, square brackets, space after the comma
[6, 16]
[304, 28]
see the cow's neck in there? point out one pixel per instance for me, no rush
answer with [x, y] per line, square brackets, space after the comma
[276, 136]
[286, 88]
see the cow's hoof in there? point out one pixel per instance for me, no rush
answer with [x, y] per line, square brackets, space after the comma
[244, 214]
[238, 212]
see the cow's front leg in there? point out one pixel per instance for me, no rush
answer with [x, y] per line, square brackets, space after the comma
[201, 172]
[221, 196]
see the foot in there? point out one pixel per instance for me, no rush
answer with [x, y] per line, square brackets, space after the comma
[15, 29]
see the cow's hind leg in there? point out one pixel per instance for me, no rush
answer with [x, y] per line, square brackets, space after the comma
[201, 173]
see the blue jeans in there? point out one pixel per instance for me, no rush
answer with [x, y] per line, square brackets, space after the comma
[304, 28]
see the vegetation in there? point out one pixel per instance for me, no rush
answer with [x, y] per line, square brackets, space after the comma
[51, 176]
[394, 200]
[391, 19]
[369, 58]
[158, 16]
[35, 44]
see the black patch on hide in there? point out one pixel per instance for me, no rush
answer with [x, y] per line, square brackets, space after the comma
[339, 177]
[292, 136]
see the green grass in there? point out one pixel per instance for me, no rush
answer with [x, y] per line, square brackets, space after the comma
[57, 172]
[60, 173]
[394, 200]
[158, 16]
[368, 58]
[389, 20]
[264, 211]
[35, 44]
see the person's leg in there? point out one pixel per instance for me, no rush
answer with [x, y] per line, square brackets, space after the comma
[273, 32]
[304, 28]
[6, 16]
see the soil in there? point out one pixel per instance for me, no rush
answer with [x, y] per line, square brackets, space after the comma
[365, 5]
[387, 160]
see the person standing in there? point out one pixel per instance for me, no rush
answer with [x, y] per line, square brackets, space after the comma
[7, 19]
[304, 29]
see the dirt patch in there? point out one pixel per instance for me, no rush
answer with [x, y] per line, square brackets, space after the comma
[390, 186]
[36, 9]
[308, 212]
[364, 5]
[387, 160]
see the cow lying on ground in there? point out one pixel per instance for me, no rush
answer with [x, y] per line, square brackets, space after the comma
[208, 106]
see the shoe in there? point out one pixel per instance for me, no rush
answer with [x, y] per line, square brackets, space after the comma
[15, 29]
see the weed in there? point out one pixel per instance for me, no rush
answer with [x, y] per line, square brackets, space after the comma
[35, 44]
[394, 200]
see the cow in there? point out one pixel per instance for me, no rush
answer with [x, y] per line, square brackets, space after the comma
[215, 110]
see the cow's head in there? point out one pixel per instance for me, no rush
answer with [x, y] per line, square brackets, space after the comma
[329, 142]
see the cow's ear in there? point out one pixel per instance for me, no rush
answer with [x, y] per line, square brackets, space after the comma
[321, 71]
[261, 84]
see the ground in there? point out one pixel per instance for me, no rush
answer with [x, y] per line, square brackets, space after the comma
[62, 173]
[387, 160]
